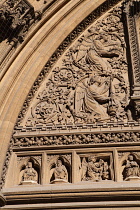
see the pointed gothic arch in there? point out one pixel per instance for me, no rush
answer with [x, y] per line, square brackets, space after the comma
[95, 131]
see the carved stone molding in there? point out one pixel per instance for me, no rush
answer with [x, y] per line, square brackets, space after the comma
[132, 12]
[55, 157]
[37, 158]
[2, 200]
[66, 43]
[75, 139]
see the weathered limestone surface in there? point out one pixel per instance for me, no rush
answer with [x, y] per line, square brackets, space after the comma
[70, 104]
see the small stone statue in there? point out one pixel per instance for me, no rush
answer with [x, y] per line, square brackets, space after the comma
[60, 173]
[94, 170]
[131, 170]
[30, 175]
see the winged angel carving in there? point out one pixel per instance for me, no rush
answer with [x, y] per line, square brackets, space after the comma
[91, 82]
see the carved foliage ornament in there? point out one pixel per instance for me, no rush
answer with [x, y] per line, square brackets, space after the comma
[71, 37]
[77, 139]
[74, 34]
[91, 82]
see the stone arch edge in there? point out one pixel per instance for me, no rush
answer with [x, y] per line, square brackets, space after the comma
[16, 95]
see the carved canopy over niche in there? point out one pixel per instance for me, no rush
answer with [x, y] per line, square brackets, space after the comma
[90, 81]
[89, 87]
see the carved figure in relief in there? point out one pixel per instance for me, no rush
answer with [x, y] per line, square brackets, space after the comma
[60, 172]
[93, 91]
[94, 170]
[131, 168]
[29, 174]
[89, 95]
[91, 82]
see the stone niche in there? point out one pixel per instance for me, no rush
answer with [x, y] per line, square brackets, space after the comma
[79, 125]
[68, 166]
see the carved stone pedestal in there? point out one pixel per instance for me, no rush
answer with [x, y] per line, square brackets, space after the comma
[30, 182]
[133, 178]
[59, 181]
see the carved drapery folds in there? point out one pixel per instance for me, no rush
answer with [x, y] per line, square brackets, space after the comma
[59, 168]
[28, 169]
[130, 166]
[84, 165]
[85, 102]
[95, 168]
[132, 20]
[90, 84]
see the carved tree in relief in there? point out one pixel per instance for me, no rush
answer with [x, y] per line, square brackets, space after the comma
[91, 82]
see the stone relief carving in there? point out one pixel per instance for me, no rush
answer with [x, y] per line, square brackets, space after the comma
[30, 175]
[92, 84]
[59, 168]
[65, 156]
[76, 100]
[93, 138]
[129, 163]
[131, 170]
[45, 113]
[59, 172]
[94, 170]
[16, 17]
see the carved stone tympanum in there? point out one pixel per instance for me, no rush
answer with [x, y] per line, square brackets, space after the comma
[90, 84]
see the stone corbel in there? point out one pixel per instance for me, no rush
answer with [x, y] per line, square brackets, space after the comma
[131, 10]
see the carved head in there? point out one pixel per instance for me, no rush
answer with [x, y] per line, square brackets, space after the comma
[59, 163]
[92, 159]
[29, 165]
[130, 157]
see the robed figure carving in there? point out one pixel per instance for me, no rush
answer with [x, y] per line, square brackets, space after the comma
[30, 175]
[59, 174]
[90, 84]
[92, 91]
[131, 170]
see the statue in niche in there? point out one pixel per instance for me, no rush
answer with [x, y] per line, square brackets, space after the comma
[60, 173]
[30, 175]
[93, 170]
[131, 171]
